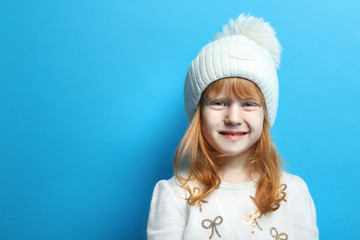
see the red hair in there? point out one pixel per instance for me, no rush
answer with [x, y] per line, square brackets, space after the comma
[200, 161]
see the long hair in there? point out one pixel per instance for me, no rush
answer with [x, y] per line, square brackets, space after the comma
[196, 161]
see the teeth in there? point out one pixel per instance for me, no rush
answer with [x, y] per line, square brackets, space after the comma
[233, 134]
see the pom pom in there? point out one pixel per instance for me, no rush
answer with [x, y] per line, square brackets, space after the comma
[257, 30]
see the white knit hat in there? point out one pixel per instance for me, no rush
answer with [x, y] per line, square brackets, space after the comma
[246, 48]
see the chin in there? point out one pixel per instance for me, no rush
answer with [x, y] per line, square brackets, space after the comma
[234, 152]
[231, 153]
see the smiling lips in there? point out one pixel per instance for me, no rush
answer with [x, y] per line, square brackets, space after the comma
[233, 135]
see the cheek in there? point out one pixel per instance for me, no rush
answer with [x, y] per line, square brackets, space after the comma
[209, 124]
[260, 130]
[206, 131]
[204, 123]
[210, 118]
[257, 122]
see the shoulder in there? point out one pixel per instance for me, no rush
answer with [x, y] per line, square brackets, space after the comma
[169, 189]
[296, 188]
[292, 180]
[168, 211]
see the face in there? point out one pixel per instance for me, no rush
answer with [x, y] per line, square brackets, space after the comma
[232, 126]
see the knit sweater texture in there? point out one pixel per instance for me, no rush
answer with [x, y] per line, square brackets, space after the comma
[229, 213]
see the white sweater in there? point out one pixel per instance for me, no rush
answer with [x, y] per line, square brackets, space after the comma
[231, 214]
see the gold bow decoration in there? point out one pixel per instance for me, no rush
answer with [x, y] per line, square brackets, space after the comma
[212, 224]
[195, 193]
[274, 233]
[280, 193]
[252, 218]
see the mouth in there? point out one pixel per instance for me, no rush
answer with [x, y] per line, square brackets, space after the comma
[233, 135]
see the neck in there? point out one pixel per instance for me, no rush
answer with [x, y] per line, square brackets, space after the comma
[235, 169]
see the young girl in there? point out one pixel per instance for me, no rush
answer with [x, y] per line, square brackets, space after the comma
[228, 181]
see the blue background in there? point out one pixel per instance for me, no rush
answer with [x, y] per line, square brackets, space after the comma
[91, 108]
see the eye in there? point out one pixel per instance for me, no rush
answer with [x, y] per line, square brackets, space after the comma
[249, 104]
[218, 103]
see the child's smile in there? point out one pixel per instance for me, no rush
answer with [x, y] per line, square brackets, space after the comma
[233, 135]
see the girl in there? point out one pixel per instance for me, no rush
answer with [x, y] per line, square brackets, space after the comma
[228, 181]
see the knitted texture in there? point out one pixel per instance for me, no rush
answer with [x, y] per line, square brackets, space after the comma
[172, 217]
[247, 48]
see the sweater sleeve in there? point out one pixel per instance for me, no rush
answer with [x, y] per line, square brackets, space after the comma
[167, 219]
[304, 213]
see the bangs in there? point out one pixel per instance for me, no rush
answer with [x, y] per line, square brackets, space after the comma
[234, 87]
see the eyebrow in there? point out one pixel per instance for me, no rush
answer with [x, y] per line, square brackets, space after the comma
[251, 99]
[217, 98]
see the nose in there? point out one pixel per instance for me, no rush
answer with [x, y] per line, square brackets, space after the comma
[234, 115]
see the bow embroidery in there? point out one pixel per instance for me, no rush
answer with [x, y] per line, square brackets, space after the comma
[274, 233]
[280, 193]
[252, 218]
[193, 195]
[212, 224]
